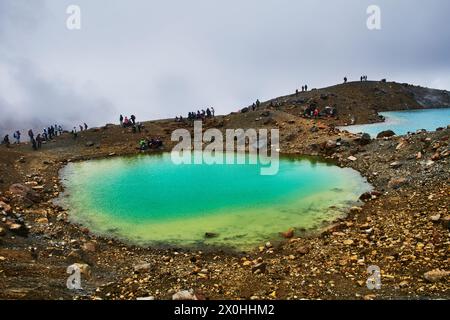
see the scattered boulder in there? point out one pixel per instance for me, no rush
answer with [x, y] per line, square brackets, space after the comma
[288, 234]
[435, 218]
[2, 232]
[364, 197]
[396, 183]
[90, 247]
[5, 207]
[18, 229]
[436, 275]
[385, 134]
[259, 267]
[365, 139]
[209, 235]
[244, 110]
[185, 295]
[24, 192]
[354, 210]
[303, 250]
[142, 268]
[89, 144]
[396, 164]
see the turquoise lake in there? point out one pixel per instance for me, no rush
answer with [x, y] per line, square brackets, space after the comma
[402, 122]
[148, 200]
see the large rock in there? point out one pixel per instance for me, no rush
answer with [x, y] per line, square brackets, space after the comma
[385, 134]
[25, 192]
[365, 139]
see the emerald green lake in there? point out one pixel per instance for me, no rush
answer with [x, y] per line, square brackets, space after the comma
[148, 200]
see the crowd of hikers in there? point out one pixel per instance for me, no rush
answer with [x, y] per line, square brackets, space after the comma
[46, 135]
[146, 143]
[199, 115]
[130, 122]
[314, 112]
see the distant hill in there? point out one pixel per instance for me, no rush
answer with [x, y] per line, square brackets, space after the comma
[362, 100]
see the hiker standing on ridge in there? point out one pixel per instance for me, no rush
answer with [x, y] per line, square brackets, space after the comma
[306, 87]
[6, 141]
[213, 111]
[31, 134]
[17, 136]
[85, 126]
[39, 141]
[345, 79]
[258, 103]
[133, 119]
[121, 120]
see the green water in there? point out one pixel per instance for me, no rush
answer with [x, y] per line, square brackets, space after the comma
[148, 200]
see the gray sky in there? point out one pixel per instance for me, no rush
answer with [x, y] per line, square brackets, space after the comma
[159, 59]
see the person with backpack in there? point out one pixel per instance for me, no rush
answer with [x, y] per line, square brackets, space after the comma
[6, 141]
[31, 134]
[17, 136]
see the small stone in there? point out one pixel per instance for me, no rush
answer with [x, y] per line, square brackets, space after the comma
[259, 268]
[288, 234]
[19, 229]
[352, 158]
[355, 210]
[142, 268]
[435, 218]
[395, 164]
[42, 220]
[184, 295]
[385, 134]
[436, 275]
[396, 183]
[145, 298]
[90, 246]
[209, 235]
[5, 207]
[348, 242]
[303, 250]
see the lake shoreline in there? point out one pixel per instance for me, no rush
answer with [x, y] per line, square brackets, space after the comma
[402, 226]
